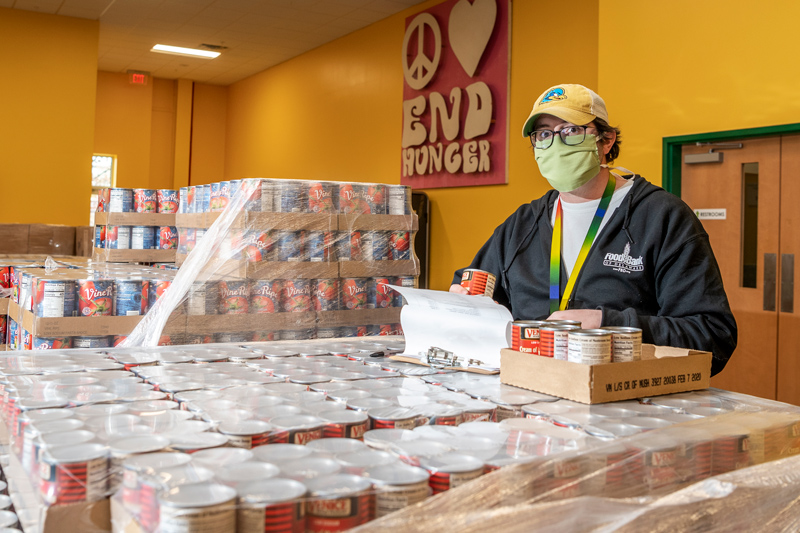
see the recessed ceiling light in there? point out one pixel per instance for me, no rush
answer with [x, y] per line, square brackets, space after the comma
[180, 51]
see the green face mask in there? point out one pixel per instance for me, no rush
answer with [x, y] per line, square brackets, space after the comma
[569, 167]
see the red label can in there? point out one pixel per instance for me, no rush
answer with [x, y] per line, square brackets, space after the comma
[296, 296]
[233, 297]
[338, 502]
[354, 293]
[95, 297]
[525, 335]
[5, 277]
[384, 295]
[351, 199]
[144, 200]
[478, 282]
[265, 296]
[167, 200]
[322, 197]
[258, 246]
[326, 294]
[167, 238]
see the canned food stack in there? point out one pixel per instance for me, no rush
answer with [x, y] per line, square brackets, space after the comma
[305, 259]
[331, 434]
[109, 299]
[136, 225]
[566, 341]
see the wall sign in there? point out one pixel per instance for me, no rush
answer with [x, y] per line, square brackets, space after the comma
[455, 95]
[711, 214]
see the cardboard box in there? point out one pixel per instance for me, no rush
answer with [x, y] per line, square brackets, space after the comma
[359, 317]
[133, 256]
[134, 219]
[662, 370]
[14, 238]
[84, 241]
[51, 239]
[4, 305]
[378, 222]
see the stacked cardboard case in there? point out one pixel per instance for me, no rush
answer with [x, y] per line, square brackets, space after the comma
[135, 225]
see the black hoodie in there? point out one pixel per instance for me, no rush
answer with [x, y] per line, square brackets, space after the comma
[651, 267]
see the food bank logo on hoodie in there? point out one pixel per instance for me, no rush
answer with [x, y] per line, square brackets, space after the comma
[624, 262]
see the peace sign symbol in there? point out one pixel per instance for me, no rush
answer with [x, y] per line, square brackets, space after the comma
[422, 68]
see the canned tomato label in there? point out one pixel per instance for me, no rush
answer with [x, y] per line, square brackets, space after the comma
[253, 202]
[375, 196]
[626, 344]
[118, 237]
[554, 341]
[213, 204]
[145, 201]
[166, 201]
[3, 325]
[54, 298]
[95, 297]
[272, 505]
[120, 201]
[352, 199]
[206, 204]
[50, 343]
[399, 199]
[355, 293]
[589, 346]
[224, 197]
[296, 296]
[191, 239]
[338, 502]
[398, 486]
[197, 507]
[290, 196]
[76, 473]
[375, 245]
[356, 251]
[142, 237]
[156, 290]
[525, 335]
[258, 246]
[183, 200]
[326, 294]
[291, 245]
[384, 295]
[319, 245]
[403, 281]
[183, 240]
[130, 297]
[265, 296]
[99, 236]
[233, 297]
[167, 238]
[345, 424]
[400, 246]
[102, 201]
[322, 197]
[478, 281]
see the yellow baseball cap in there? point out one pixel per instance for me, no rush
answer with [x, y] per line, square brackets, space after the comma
[574, 103]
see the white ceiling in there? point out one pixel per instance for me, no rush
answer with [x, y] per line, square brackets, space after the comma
[258, 34]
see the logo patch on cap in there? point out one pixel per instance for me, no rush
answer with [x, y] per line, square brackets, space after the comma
[553, 95]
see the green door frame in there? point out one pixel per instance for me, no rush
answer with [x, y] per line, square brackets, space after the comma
[671, 148]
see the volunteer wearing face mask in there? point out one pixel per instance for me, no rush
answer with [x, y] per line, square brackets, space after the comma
[603, 248]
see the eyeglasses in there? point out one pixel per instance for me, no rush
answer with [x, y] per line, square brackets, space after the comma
[570, 135]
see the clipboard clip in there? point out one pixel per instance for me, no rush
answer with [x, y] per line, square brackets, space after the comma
[441, 358]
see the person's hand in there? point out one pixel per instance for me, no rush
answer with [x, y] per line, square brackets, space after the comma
[458, 289]
[589, 318]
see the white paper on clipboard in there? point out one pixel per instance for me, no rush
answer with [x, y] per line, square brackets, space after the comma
[472, 327]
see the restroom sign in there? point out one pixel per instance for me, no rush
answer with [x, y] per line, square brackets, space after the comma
[711, 214]
[455, 60]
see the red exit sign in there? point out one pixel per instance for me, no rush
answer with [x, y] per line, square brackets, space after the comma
[137, 78]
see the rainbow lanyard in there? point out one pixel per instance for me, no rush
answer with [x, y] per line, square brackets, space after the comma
[555, 249]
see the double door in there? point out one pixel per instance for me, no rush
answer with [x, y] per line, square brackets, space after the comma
[749, 203]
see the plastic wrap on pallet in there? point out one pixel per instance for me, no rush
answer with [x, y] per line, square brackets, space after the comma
[272, 259]
[323, 435]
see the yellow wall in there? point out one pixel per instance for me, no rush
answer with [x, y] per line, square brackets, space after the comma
[336, 113]
[47, 105]
[123, 123]
[684, 67]
[209, 117]
[162, 134]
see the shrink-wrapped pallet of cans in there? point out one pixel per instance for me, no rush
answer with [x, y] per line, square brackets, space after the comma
[328, 435]
[136, 225]
[278, 259]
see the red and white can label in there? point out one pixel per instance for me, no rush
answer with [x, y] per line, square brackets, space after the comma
[279, 518]
[338, 514]
[478, 282]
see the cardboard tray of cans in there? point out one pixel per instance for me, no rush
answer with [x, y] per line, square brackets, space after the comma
[426, 433]
[104, 255]
[661, 370]
[134, 219]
